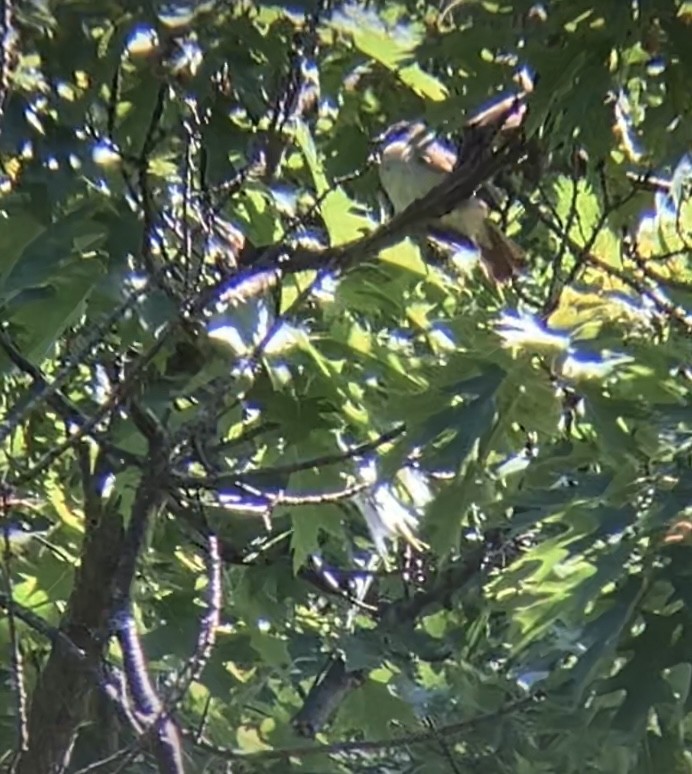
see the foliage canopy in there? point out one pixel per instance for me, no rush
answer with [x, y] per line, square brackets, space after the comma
[286, 488]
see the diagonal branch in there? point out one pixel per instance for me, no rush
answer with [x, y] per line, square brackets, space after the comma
[42, 390]
[281, 259]
[161, 729]
[586, 256]
[374, 745]
[118, 395]
[278, 471]
[78, 357]
[326, 696]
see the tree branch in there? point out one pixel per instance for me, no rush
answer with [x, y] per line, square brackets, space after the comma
[374, 745]
[280, 259]
[320, 704]
[61, 697]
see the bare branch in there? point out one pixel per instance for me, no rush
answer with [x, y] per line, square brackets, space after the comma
[586, 256]
[207, 630]
[45, 391]
[115, 399]
[458, 185]
[16, 666]
[374, 745]
[156, 725]
[78, 357]
[8, 44]
[154, 716]
[325, 497]
[316, 462]
[52, 633]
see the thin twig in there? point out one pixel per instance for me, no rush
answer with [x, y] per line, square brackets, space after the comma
[8, 41]
[79, 357]
[207, 630]
[556, 284]
[586, 256]
[43, 390]
[314, 463]
[374, 745]
[16, 666]
[52, 633]
[115, 399]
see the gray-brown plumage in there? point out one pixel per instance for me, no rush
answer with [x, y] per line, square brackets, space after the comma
[412, 163]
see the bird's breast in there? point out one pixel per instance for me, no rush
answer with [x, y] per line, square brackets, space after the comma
[406, 178]
[468, 218]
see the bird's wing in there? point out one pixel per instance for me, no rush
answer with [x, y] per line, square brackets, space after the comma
[504, 115]
[436, 155]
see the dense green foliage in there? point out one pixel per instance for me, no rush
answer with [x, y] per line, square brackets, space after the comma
[340, 489]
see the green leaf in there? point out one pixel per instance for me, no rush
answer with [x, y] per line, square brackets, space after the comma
[43, 317]
[374, 709]
[307, 146]
[309, 521]
[343, 218]
[19, 230]
[470, 425]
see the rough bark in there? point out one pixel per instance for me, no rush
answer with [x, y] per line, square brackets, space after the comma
[61, 699]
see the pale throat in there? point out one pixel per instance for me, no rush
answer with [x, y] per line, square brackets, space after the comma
[406, 177]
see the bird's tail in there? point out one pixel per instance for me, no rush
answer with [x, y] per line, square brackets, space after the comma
[502, 257]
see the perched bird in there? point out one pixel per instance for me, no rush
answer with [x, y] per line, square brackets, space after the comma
[413, 162]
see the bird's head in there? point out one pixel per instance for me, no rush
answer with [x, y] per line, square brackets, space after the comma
[404, 141]
[402, 132]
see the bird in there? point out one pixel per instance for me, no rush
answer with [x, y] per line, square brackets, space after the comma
[413, 161]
